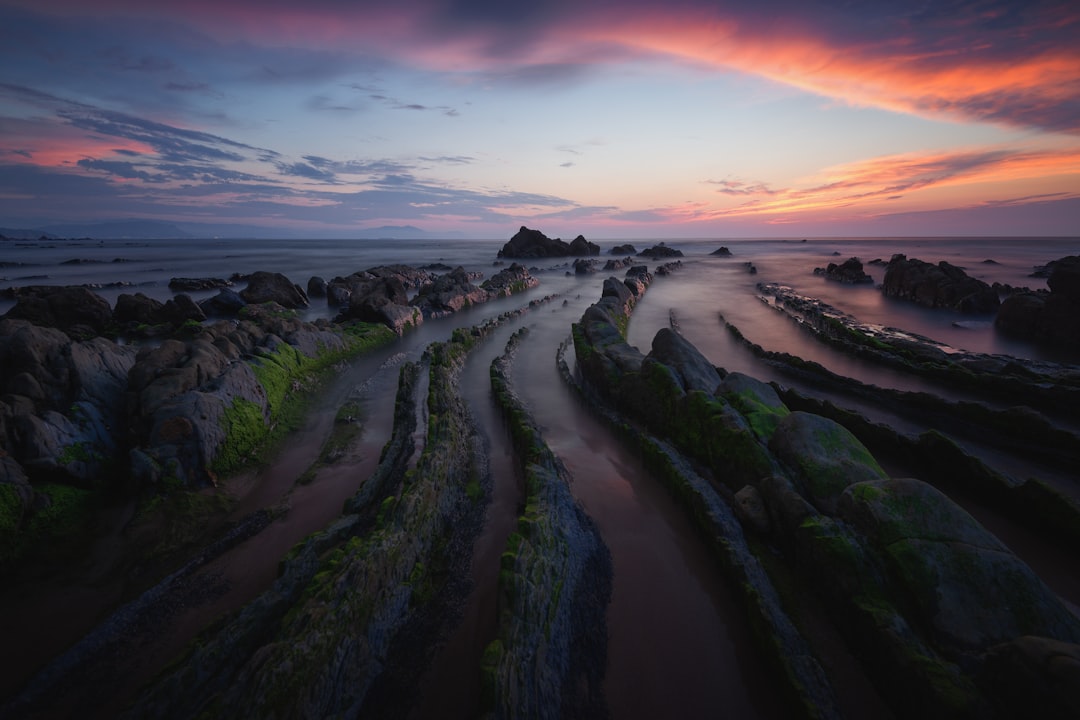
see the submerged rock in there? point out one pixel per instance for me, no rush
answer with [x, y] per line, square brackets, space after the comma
[660, 251]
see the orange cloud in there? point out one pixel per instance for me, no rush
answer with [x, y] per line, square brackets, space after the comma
[870, 183]
[902, 72]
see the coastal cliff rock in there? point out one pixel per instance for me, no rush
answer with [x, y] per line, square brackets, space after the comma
[937, 286]
[1052, 317]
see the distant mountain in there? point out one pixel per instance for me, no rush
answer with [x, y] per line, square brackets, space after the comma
[119, 230]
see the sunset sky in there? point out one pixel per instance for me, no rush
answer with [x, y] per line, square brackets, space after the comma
[612, 119]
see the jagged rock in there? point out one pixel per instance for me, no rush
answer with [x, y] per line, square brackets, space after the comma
[381, 300]
[534, 244]
[513, 279]
[198, 284]
[273, 287]
[937, 286]
[721, 251]
[1051, 317]
[638, 279]
[67, 308]
[227, 303]
[579, 246]
[617, 264]
[584, 267]
[626, 249]
[692, 369]
[660, 251]
[849, 272]
[448, 293]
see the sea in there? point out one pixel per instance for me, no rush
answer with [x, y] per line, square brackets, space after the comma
[705, 285]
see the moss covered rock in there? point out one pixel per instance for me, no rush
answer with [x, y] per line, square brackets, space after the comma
[825, 457]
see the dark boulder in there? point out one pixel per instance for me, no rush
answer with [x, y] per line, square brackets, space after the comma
[137, 309]
[584, 267]
[938, 286]
[180, 309]
[534, 244]
[316, 287]
[580, 247]
[692, 369]
[660, 251]
[849, 272]
[626, 249]
[67, 308]
[721, 251]
[381, 300]
[227, 303]
[1051, 317]
[273, 287]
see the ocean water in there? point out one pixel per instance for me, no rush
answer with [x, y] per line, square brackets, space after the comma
[706, 285]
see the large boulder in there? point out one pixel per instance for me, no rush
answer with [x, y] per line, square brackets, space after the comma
[68, 308]
[227, 303]
[528, 243]
[380, 300]
[938, 286]
[625, 249]
[273, 287]
[137, 309]
[964, 583]
[1052, 317]
[692, 369]
[824, 457]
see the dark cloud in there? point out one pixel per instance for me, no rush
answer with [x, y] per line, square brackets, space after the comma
[126, 170]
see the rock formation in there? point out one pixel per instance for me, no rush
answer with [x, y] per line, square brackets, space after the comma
[849, 272]
[937, 286]
[528, 243]
[1052, 317]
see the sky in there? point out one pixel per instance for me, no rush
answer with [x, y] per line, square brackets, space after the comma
[628, 119]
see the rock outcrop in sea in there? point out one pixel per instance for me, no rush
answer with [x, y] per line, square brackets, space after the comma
[1051, 317]
[937, 286]
[528, 243]
[849, 272]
